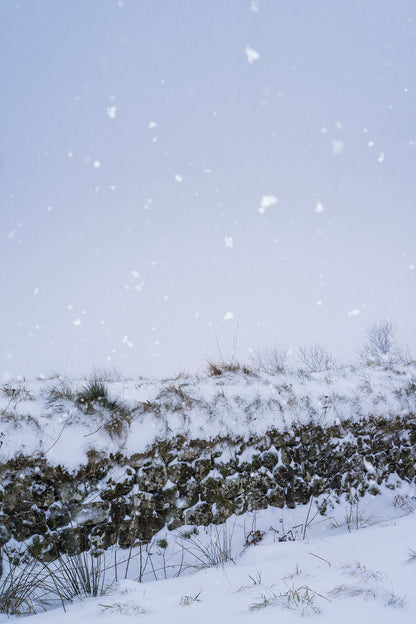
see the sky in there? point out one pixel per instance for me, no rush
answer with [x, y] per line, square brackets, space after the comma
[186, 180]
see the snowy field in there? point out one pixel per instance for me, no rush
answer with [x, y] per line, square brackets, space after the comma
[355, 564]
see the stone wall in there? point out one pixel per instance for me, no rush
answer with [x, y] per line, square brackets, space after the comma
[118, 499]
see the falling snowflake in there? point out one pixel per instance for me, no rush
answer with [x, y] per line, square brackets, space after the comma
[252, 55]
[97, 164]
[266, 202]
[228, 316]
[229, 242]
[112, 111]
[337, 147]
[254, 6]
[152, 124]
[381, 157]
[127, 342]
[77, 322]
[354, 312]
[319, 208]
[178, 178]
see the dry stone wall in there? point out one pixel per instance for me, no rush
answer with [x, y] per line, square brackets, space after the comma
[122, 500]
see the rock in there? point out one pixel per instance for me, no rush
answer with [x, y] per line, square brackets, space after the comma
[73, 540]
[276, 497]
[179, 472]
[5, 534]
[92, 514]
[200, 514]
[58, 516]
[201, 468]
[269, 459]
[27, 523]
[43, 494]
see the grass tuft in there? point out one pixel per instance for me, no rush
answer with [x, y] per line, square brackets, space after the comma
[216, 369]
[16, 394]
[59, 394]
[301, 599]
[217, 550]
[185, 601]
[18, 587]
[124, 608]
[114, 414]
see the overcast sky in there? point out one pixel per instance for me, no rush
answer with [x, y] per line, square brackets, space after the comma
[173, 172]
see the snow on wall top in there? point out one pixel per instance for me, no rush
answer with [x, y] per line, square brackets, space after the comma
[52, 416]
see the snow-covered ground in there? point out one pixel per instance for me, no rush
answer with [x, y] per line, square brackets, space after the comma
[357, 561]
[197, 406]
[342, 568]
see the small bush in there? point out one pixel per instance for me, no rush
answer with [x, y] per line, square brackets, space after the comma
[316, 358]
[381, 347]
[270, 361]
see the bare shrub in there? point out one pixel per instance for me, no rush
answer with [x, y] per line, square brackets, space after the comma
[316, 358]
[270, 361]
[381, 346]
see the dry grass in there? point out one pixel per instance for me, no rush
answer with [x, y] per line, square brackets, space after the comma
[215, 369]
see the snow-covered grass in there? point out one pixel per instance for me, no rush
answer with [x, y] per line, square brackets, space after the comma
[62, 419]
[300, 564]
